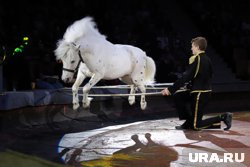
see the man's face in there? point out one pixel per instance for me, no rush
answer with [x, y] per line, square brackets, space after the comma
[194, 49]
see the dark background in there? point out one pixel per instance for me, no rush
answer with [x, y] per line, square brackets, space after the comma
[142, 23]
[148, 24]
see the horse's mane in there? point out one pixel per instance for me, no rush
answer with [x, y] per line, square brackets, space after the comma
[62, 48]
[80, 28]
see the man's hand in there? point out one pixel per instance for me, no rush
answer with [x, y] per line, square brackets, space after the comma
[165, 92]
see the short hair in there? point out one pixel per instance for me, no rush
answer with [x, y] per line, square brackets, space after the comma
[201, 42]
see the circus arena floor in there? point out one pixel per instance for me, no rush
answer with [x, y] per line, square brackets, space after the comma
[113, 134]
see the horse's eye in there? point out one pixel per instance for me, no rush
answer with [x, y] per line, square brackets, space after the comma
[72, 61]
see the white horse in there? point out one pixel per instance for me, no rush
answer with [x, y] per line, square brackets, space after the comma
[82, 42]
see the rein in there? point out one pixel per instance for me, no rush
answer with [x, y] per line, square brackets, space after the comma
[76, 69]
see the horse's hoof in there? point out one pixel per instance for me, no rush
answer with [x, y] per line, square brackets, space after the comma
[131, 100]
[144, 105]
[90, 99]
[85, 105]
[76, 106]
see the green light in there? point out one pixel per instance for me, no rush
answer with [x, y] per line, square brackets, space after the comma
[17, 50]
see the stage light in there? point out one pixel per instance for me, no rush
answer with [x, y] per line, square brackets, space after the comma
[25, 38]
[22, 46]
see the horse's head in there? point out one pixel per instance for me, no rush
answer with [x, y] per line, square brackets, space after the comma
[68, 54]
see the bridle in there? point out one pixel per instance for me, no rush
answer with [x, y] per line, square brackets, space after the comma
[76, 69]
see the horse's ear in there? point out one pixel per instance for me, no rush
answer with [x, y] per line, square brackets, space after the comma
[76, 46]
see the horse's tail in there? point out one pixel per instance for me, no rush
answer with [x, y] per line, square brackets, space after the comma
[150, 71]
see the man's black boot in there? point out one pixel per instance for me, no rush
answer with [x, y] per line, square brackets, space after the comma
[227, 119]
[184, 126]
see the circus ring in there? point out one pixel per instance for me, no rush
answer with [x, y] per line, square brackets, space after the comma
[42, 123]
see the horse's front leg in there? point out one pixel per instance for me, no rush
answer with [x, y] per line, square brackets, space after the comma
[75, 87]
[94, 79]
[143, 100]
[131, 98]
